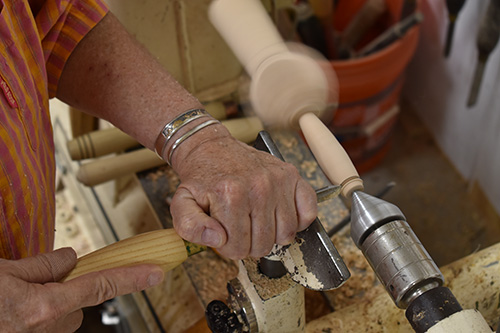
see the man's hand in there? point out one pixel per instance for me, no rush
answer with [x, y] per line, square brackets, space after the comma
[31, 300]
[239, 200]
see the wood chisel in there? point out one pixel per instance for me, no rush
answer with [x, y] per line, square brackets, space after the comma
[163, 247]
[487, 39]
[312, 260]
[454, 7]
[324, 10]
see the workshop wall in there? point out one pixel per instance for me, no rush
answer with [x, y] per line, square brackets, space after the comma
[179, 34]
[438, 89]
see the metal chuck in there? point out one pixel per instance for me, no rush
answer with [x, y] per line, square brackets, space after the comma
[399, 259]
[406, 270]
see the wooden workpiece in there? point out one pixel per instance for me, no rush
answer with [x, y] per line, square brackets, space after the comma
[289, 89]
[113, 140]
[473, 280]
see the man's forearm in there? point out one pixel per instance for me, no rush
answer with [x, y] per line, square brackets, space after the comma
[112, 76]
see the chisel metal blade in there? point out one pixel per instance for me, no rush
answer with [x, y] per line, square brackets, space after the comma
[311, 260]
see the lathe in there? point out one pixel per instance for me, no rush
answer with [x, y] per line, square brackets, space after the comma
[269, 294]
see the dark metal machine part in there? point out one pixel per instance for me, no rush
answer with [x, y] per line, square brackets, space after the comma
[221, 319]
[453, 7]
[319, 254]
[430, 308]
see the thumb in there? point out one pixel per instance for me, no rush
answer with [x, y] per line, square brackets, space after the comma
[192, 223]
[45, 267]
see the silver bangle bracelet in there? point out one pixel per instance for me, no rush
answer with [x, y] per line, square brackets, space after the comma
[187, 135]
[175, 125]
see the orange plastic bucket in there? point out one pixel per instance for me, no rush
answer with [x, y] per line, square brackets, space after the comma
[369, 88]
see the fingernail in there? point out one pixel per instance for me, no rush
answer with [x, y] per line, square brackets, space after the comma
[155, 278]
[211, 238]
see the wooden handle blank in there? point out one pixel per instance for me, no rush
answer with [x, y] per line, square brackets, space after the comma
[248, 30]
[106, 169]
[100, 143]
[286, 88]
[331, 156]
[160, 247]
[113, 140]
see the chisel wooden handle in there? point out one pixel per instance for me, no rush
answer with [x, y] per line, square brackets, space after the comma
[160, 247]
[106, 169]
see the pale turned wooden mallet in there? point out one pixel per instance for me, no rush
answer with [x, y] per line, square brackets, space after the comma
[288, 89]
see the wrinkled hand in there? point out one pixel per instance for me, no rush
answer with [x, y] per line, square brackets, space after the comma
[239, 200]
[31, 300]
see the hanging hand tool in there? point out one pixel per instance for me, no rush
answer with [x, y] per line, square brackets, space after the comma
[309, 28]
[454, 7]
[487, 39]
[366, 17]
[391, 35]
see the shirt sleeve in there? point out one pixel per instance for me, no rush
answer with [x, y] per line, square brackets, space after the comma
[62, 24]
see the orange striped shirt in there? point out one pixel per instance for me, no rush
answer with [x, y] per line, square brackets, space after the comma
[33, 52]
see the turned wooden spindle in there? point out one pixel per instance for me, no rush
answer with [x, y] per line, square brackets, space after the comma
[288, 89]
